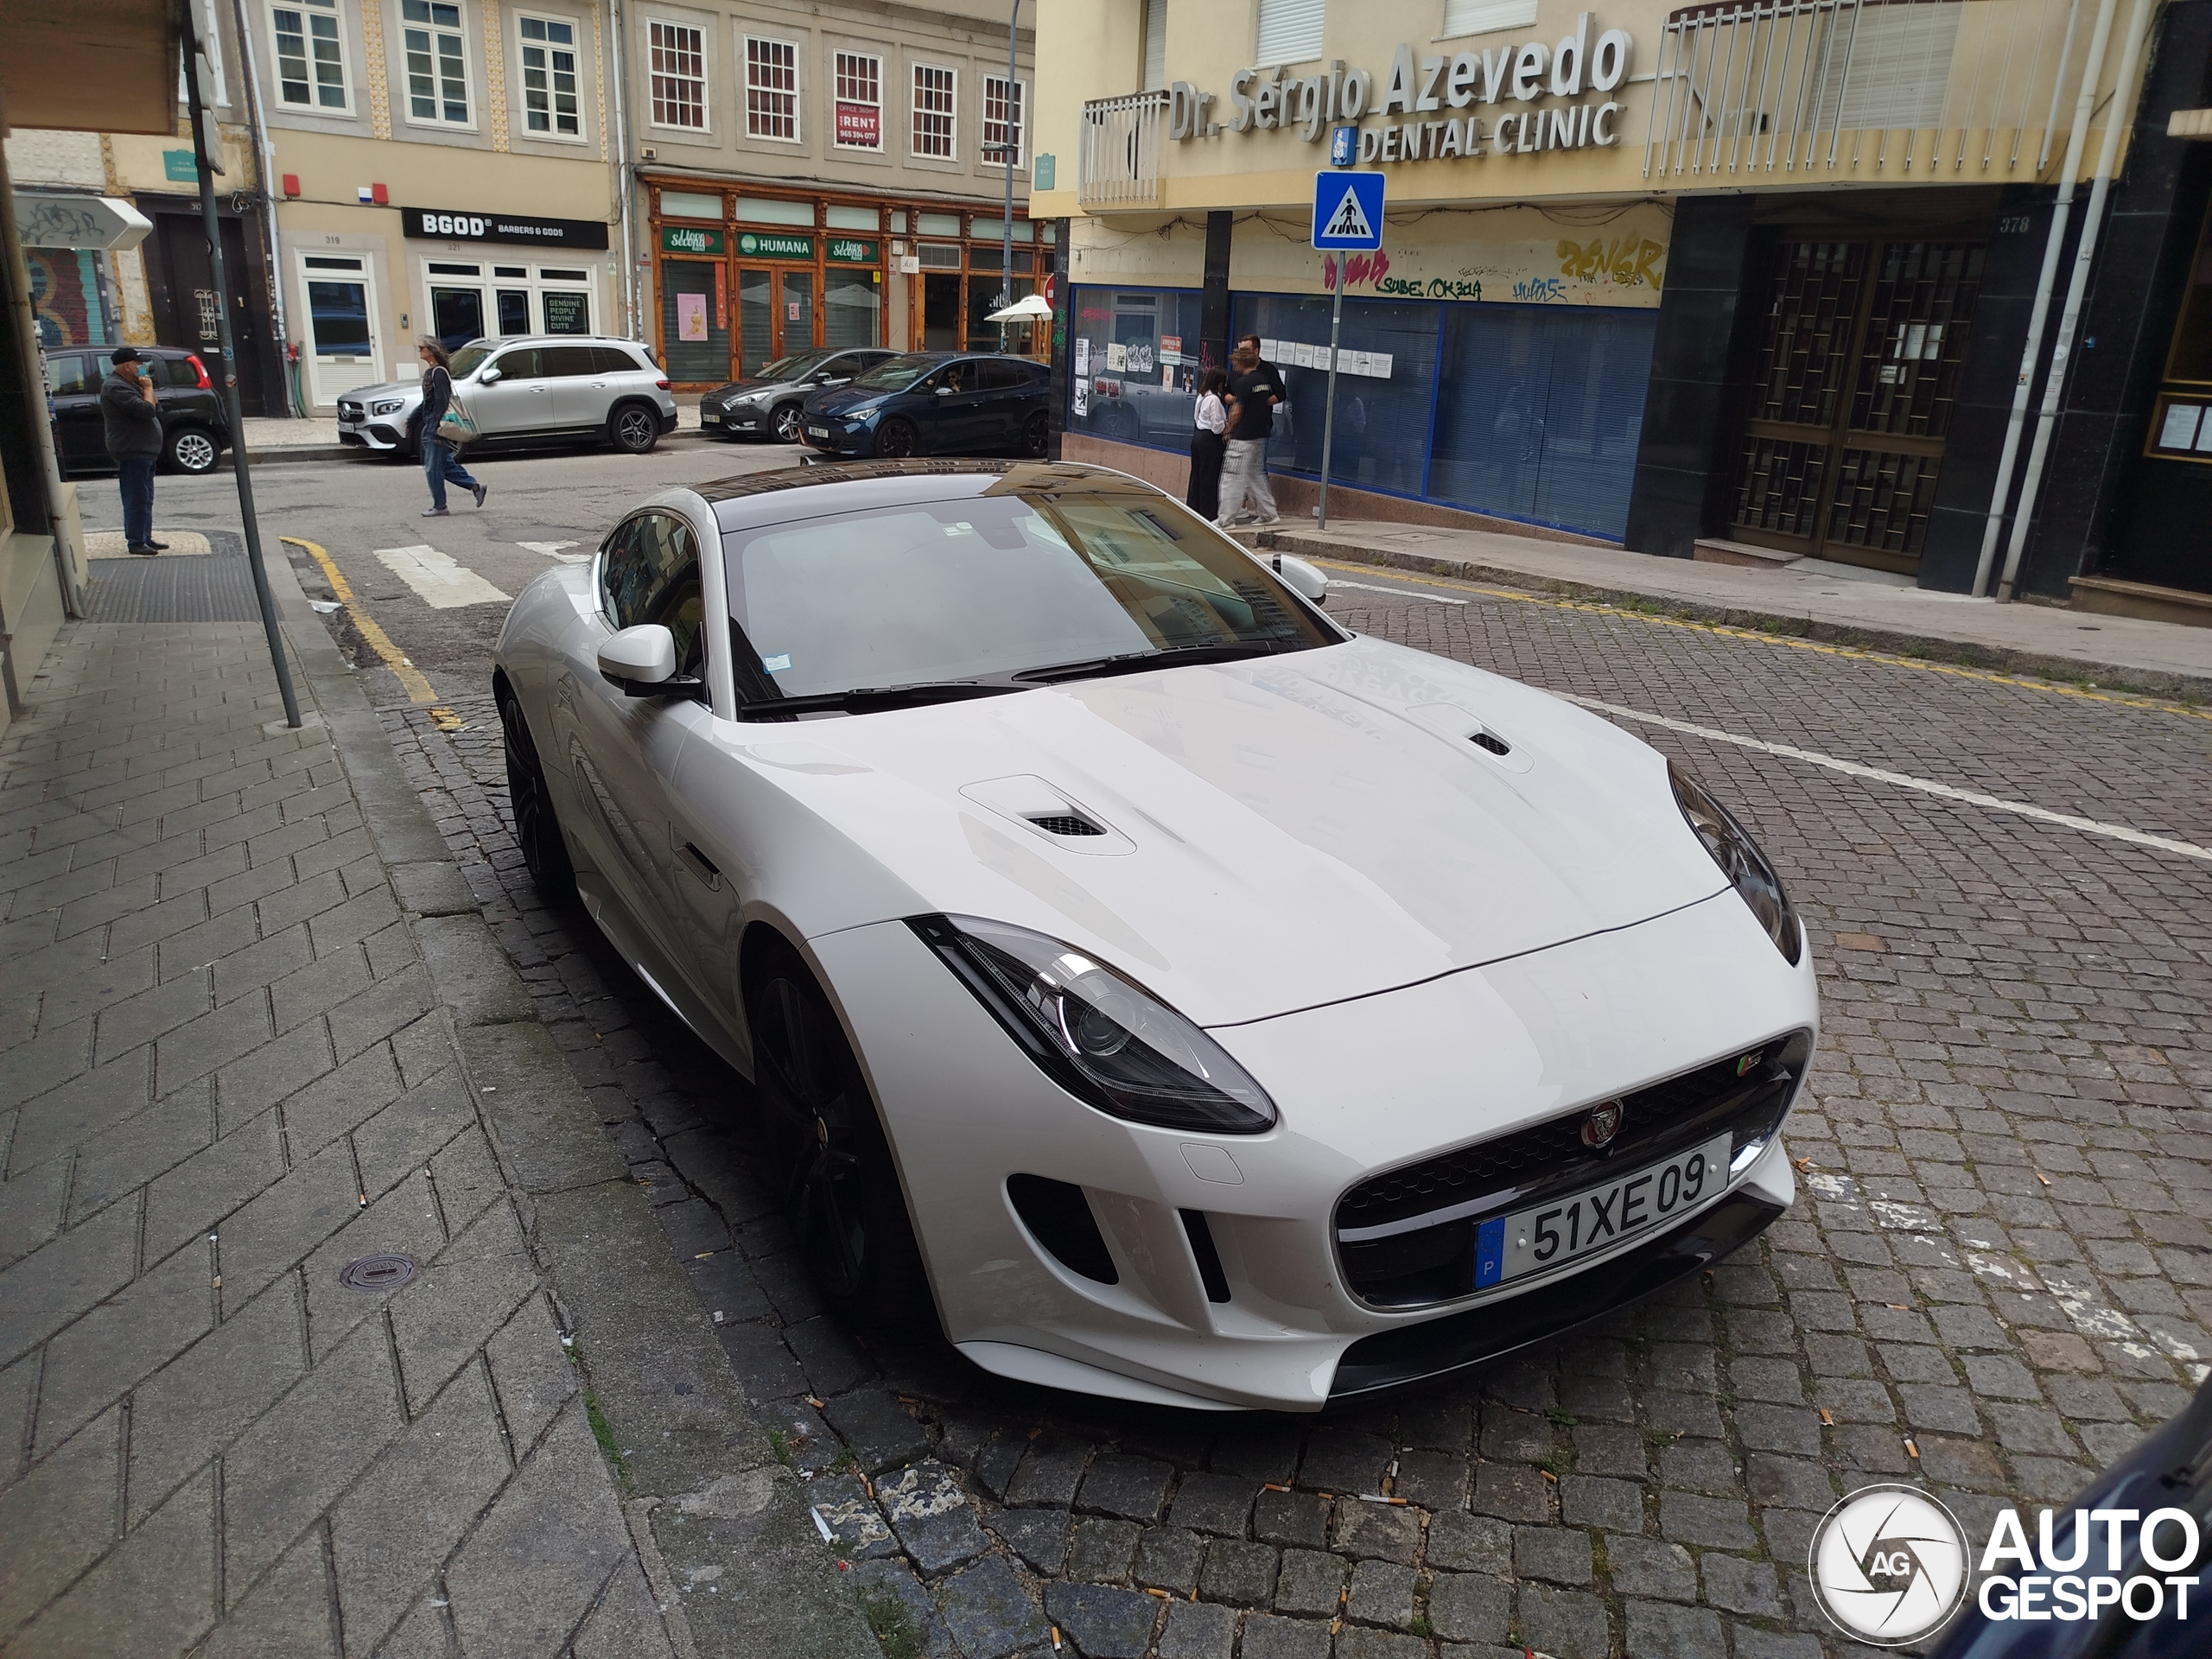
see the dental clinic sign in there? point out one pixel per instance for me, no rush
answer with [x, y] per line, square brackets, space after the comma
[1432, 107]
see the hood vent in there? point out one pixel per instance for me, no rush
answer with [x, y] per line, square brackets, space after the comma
[1048, 812]
[1064, 823]
[1491, 741]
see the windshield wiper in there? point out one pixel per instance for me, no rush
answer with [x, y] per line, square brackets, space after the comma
[1140, 662]
[864, 698]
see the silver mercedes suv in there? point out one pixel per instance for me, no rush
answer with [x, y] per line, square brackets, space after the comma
[527, 388]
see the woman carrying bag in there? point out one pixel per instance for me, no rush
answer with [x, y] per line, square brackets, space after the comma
[445, 427]
[1208, 446]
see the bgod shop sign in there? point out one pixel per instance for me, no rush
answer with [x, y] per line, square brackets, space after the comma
[1413, 109]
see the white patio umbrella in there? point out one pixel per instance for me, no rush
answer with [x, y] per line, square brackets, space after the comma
[1034, 308]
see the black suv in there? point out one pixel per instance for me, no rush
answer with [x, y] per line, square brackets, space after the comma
[194, 432]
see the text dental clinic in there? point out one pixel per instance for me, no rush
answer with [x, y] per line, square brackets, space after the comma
[1526, 74]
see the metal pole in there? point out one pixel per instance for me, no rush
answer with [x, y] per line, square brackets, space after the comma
[1014, 113]
[1329, 414]
[205, 167]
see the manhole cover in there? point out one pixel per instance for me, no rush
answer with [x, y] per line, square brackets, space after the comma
[387, 1271]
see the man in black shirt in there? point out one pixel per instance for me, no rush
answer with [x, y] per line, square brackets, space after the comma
[1254, 389]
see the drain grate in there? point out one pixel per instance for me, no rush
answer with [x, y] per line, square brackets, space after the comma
[386, 1271]
[214, 587]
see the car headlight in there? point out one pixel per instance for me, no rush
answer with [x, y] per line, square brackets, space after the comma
[1742, 862]
[747, 397]
[1108, 1042]
[390, 406]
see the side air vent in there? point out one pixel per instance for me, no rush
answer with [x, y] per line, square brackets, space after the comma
[1209, 1258]
[1058, 1215]
[1065, 823]
[1491, 741]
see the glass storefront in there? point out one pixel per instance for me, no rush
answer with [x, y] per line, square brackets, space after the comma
[472, 299]
[1528, 412]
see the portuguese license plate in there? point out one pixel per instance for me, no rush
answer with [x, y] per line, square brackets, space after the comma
[817, 431]
[1583, 1223]
[710, 420]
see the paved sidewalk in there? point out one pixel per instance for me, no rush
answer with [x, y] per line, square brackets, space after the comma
[1856, 607]
[260, 1062]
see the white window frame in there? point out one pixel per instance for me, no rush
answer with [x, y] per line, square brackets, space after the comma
[705, 79]
[914, 113]
[797, 94]
[307, 9]
[575, 49]
[1020, 123]
[467, 71]
[838, 56]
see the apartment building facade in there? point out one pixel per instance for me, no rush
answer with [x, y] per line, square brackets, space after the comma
[1747, 280]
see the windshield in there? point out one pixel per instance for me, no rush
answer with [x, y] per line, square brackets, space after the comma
[1018, 578]
[466, 360]
[791, 367]
[897, 374]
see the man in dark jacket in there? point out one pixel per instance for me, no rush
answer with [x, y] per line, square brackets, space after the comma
[133, 421]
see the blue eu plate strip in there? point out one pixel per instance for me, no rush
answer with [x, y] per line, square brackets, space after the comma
[1489, 1253]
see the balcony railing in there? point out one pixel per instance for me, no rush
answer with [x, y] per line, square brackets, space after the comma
[1120, 151]
[1932, 88]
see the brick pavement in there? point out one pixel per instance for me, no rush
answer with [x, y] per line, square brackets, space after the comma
[1998, 1275]
[224, 1077]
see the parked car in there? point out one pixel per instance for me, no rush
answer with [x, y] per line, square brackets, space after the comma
[529, 389]
[1179, 997]
[935, 404]
[768, 404]
[196, 430]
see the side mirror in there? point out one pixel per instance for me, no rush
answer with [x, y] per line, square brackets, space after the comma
[491, 377]
[640, 660]
[945, 391]
[834, 380]
[1301, 577]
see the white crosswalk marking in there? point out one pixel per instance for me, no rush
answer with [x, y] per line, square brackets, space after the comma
[437, 580]
[552, 550]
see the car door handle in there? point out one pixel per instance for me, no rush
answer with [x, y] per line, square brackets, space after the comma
[702, 866]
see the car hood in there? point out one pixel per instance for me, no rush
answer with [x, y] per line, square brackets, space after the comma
[739, 388]
[1279, 833]
[836, 399]
[367, 395]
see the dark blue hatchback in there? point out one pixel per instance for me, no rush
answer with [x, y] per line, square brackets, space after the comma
[934, 403]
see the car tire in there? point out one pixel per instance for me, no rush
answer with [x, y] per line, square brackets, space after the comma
[634, 429]
[1037, 435]
[790, 425]
[895, 440]
[191, 450]
[840, 1185]
[538, 831]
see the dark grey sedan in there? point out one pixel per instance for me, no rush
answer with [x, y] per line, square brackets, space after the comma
[767, 404]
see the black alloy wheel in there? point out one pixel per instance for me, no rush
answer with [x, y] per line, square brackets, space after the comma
[537, 832]
[192, 450]
[634, 428]
[1036, 435]
[894, 440]
[789, 423]
[840, 1186]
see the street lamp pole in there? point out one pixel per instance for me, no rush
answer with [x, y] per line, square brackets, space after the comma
[1010, 150]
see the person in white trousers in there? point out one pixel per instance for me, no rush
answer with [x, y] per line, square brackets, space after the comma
[1254, 389]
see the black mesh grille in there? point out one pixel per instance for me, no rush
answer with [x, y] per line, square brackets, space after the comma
[1746, 1094]
[1067, 824]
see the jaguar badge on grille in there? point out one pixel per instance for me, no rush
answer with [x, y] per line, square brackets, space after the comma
[1602, 1124]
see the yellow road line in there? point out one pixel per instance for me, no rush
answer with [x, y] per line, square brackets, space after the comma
[412, 679]
[1852, 652]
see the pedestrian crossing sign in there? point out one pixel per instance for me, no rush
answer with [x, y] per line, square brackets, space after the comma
[1347, 211]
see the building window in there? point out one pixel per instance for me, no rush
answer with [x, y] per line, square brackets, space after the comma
[771, 89]
[310, 55]
[1001, 121]
[679, 74]
[548, 76]
[933, 111]
[1155, 45]
[859, 101]
[437, 62]
[1290, 31]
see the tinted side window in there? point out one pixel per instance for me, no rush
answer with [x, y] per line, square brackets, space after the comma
[563, 361]
[177, 371]
[72, 371]
[611, 360]
[519, 362]
[997, 376]
[649, 558]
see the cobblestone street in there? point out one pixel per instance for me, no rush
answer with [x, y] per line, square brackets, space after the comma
[1998, 1275]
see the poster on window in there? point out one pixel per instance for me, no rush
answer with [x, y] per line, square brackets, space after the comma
[1082, 395]
[565, 313]
[691, 316]
[860, 126]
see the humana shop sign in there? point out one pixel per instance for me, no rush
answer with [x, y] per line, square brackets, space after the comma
[1416, 107]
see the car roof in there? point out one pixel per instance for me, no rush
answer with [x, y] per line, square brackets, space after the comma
[811, 492]
[552, 339]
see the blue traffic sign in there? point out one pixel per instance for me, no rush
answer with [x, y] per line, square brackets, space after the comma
[1344, 146]
[1347, 211]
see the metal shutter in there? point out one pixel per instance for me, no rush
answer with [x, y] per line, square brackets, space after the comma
[1155, 45]
[1481, 17]
[1290, 31]
[1896, 70]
